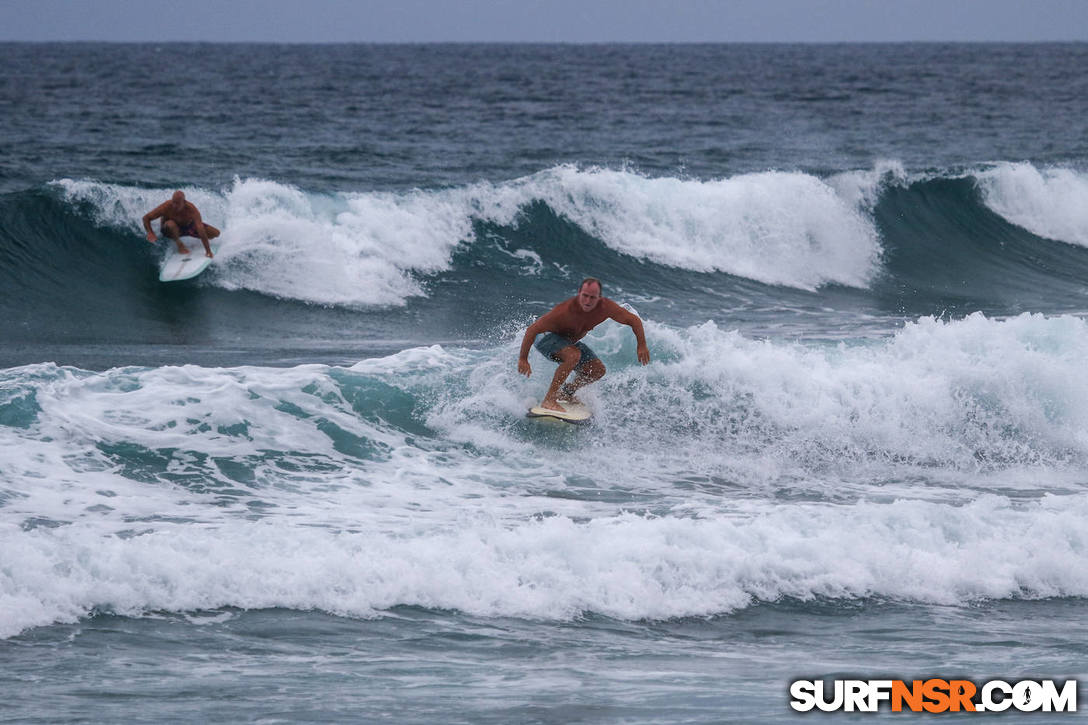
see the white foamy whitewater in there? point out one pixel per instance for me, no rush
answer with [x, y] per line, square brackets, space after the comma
[941, 465]
[379, 248]
[1050, 202]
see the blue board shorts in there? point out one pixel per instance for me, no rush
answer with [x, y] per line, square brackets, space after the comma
[549, 344]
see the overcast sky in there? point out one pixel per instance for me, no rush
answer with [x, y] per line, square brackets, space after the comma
[578, 21]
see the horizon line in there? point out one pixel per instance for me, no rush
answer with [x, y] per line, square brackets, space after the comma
[542, 42]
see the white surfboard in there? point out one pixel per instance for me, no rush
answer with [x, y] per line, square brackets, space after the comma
[576, 413]
[176, 266]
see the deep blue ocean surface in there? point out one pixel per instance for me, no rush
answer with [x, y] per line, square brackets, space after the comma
[302, 487]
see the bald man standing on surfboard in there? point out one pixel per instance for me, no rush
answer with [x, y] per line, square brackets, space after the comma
[563, 327]
[180, 218]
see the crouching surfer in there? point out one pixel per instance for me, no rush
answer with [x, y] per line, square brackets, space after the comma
[180, 218]
[563, 328]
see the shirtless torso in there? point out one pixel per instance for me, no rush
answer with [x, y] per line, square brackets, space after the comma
[564, 326]
[180, 218]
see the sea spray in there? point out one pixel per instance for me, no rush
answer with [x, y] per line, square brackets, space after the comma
[374, 248]
[1049, 202]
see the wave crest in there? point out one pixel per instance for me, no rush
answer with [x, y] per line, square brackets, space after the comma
[377, 248]
[1050, 203]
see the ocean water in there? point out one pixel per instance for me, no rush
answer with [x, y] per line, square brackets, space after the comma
[302, 488]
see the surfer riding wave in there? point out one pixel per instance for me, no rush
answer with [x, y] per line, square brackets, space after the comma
[563, 328]
[180, 218]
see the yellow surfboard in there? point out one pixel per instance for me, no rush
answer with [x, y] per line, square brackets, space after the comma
[576, 413]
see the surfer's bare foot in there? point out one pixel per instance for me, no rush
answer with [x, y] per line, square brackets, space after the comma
[182, 249]
[209, 255]
[553, 405]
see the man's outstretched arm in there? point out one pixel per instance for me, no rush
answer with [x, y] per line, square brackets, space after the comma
[151, 215]
[626, 317]
[198, 222]
[526, 344]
